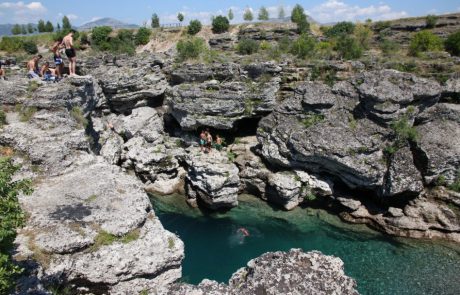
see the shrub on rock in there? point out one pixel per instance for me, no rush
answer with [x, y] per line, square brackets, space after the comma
[248, 46]
[452, 44]
[142, 36]
[190, 48]
[424, 41]
[194, 27]
[220, 24]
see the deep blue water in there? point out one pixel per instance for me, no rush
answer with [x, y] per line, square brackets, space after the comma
[214, 248]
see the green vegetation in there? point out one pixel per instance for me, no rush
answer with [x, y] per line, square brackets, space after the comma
[363, 35]
[32, 86]
[312, 119]
[248, 16]
[230, 14]
[190, 48]
[180, 17]
[11, 217]
[303, 47]
[340, 29]
[77, 114]
[424, 41]
[431, 21]
[248, 46]
[382, 25]
[263, 14]
[348, 47]
[2, 118]
[25, 113]
[30, 47]
[124, 42]
[299, 17]
[18, 44]
[155, 21]
[194, 27]
[456, 185]
[142, 36]
[171, 243]
[388, 47]
[452, 44]
[104, 238]
[220, 24]
[231, 156]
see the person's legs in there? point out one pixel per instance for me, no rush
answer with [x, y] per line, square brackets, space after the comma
[74, 65]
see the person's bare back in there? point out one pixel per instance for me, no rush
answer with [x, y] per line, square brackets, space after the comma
[68, 41]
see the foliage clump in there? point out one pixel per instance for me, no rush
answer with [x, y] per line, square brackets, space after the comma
[248, 46]
[220, 24]
[194, 27]
[341, 29]
[424, 41]
[452, 44]
[431, 21]
[142, 36]
[11, 218]
[299, 17]
[190, 48]
[348, 47]
[303, 47]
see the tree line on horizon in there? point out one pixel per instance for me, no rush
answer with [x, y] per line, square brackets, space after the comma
[41, 27]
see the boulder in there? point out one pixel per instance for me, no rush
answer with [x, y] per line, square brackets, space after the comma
[211, 180]
[224, 41]
[221, 105]
[285, 190]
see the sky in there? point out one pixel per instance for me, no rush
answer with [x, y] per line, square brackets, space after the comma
[139, 11]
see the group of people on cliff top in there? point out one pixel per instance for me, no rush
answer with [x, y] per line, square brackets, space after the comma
[54, 74]
[207, 141]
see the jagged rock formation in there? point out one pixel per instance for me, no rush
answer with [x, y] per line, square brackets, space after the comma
[293, 272]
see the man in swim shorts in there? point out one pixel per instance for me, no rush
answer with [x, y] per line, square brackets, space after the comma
[58, 61]
[32, 67]
[70, 52]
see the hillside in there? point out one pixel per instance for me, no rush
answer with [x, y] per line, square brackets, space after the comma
[110, 22]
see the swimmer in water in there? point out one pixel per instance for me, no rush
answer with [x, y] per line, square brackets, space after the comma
[244, 231]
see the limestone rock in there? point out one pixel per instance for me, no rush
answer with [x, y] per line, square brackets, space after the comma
[284, 190]
[198, 73]
[144, 122]
[212, 179]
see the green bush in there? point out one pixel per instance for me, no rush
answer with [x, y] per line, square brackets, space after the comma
[431, 21]
[388, 47]
[340, 29]
[190, 48]
[220, 24]
[452, 44]
[84, 39]
[304, 46]
[2, 118]
[348, 47]
[194, 27]
[11, 44]
[142, 36]
[363, 35]
[424, 41]
[100, 37]
[30, 47]
[403, 130]
[11, 217]
[382, 25]
[299, 17]
[248, 46]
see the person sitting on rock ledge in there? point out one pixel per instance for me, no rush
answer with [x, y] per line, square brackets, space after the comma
[2, 73]
[47, 73]
[208, 141]
[203, 139]
[32, 67]
[218, 144]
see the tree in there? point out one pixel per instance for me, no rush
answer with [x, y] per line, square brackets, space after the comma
[281, 12]
[11, 217]
[24, 29]
[263, 13]
[30, 28]
[58, 27]
[194, 27]
[66, 25]
[424, 41]
[431, 21]
[155, 21]
[247, 16]
[220, 24]
[41, 26]
[453, 44]
[341, 29]
[143, 36]
[180, 17]
[299, 17]
[230, 14]
[363, 35]
[348, 47]
[49, 27]
[16, 30]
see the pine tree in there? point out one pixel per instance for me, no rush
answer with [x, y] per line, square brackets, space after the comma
[180, 17]
[230, 14]
[30, 28]
[247, 16]
[281, 13]
[49, 27]
[58, 27]
[24, 29]
[66, 25]
[155, 21]
[263, 14]
[297, 14]
[41, 26]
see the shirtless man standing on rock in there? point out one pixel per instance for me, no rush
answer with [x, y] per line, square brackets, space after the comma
[70, 52]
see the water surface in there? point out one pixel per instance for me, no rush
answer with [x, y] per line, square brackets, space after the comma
[215, 247]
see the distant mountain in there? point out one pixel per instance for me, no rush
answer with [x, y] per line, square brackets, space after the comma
[110, 22]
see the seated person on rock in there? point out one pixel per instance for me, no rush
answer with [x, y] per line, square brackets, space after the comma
[208, 141]
[47, 73]
[203, 139]
[32, 67]
[2, 72]
[218, 144]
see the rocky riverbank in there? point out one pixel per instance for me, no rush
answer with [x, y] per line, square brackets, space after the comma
[378, 147]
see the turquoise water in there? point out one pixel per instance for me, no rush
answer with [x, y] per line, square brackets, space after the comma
[214, 248]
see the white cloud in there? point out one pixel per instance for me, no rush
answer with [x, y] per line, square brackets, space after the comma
[336, 10]
[20, 12]
[95, 18]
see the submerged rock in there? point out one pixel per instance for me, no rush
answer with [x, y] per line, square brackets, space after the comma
[293, 272]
